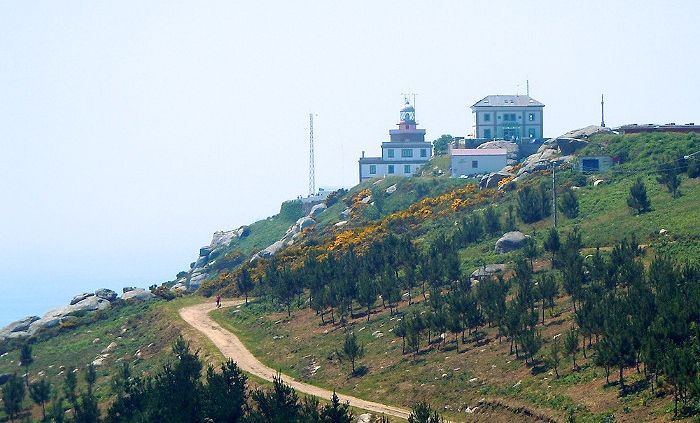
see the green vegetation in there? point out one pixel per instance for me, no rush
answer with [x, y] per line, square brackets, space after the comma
[598, 297]
[441, 144]
[431, 263]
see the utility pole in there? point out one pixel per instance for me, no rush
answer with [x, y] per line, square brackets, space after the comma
[554, 193]
[312, 170]
[602, 111]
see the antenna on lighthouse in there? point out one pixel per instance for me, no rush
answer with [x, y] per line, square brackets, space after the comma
[312, 170]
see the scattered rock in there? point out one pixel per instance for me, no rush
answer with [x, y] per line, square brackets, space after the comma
[80, 297]
[109, 348]
[317, 209]
[128, 288]
[178, 288]
[510, 241]
[15, 328]
[512, 148]
[341, 223]
[4, 377]
[598, 182]
[364, 418]
[488, 270]
[304, 223]
[345, 214]
[492, 180]
[106, 294]
[663, 232]
[138, 295]
[391, 190]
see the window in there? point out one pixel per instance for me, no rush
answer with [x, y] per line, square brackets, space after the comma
[407, 169]
[509, 117]
[511, 134]
[531, 132]
[423, 152]
[406, 152]
[391, 169]
[390, 152]
[531, 117]
[475, 164]
[487, 133]
[487, 117]
[372, 169]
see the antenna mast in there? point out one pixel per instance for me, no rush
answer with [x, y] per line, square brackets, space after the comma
[312, 171]
[527, 85]
[602, 111]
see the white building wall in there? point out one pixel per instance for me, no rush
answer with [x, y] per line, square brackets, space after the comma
[398, 153]
[382, 169]
[462, 165]
[497, 121]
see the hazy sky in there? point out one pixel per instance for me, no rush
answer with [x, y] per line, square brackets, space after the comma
[130, 131]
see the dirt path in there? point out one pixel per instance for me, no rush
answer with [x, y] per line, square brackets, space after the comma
[229, 344]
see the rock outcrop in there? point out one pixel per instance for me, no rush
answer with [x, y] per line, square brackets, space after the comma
[512, 148]
[101, 299]
[293, 233]
[489, 270]
[106, 294]
[138, 295]
[492, 180]
[200, 269]
[510, 241]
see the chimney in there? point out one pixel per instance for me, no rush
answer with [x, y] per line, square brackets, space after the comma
[363, 154]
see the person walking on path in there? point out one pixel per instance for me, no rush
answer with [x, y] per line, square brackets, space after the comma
[218, 301]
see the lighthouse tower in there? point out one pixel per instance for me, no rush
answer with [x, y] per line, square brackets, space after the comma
[404, 153]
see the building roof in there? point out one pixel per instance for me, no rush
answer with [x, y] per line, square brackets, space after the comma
[508, 101]
[479, 152]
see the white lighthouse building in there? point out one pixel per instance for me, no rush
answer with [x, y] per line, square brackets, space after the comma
[404, 153]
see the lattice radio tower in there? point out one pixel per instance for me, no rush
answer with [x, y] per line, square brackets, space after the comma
[312, 171]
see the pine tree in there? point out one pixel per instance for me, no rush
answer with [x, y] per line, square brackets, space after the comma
[668, 176]
[279, 405]
[336, 412]
[400, 330]
[422, 412]
[571, 345]
[353, 349]
[552, 244]
[492, 222]
[86, 409]
[637, 199]
[529, 204]
[367, 292]
[225, 393]
[548, 290]
[694, 167]
[554, 355]
[568, 203]
[244, 282]
[25, 360]
[12, 396]
[40, 393]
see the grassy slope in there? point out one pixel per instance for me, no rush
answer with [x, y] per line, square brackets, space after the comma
[134, 327]
[604, 219]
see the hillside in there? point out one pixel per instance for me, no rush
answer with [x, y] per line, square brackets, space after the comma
[399, 250]
[295, 339]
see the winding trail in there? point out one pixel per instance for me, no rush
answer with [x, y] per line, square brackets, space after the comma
[197, 316]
